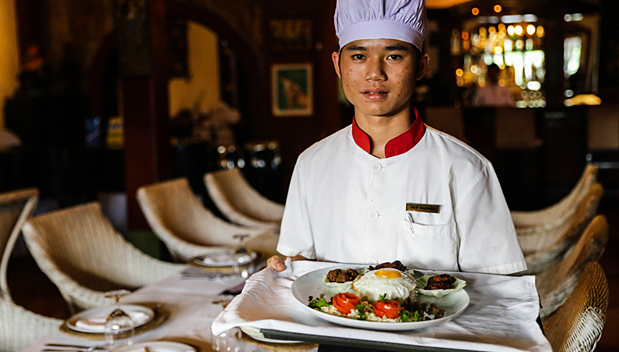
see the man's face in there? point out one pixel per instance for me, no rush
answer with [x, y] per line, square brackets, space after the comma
[379, 75]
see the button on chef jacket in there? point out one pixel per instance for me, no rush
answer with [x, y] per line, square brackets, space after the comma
[346, 205]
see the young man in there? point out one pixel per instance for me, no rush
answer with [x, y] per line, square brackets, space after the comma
[387, 187]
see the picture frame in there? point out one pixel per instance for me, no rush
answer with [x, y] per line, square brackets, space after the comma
[290, 35]
[292, 89]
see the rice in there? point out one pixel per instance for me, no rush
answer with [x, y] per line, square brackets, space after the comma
[354, 314]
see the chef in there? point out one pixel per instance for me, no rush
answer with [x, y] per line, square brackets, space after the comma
[388, 187]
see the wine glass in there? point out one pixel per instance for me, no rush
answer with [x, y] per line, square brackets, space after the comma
[118, 325]
[243, 268]
[229, 341]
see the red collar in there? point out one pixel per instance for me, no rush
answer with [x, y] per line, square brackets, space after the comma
[399, 145]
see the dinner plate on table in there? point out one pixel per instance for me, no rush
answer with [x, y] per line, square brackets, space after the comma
[225, 258]
[93, 320]
[312, 284]
[156, 346]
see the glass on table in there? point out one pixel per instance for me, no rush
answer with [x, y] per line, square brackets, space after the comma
[229, 340]
[244, 265]
[118, 326]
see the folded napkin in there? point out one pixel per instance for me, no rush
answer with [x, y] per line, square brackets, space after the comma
[500, 317]
[97, 324]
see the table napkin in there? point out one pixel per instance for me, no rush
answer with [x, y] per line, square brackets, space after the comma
[97, 324]
[501, 316]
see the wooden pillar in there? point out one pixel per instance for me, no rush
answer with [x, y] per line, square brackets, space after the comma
[29, 23]
[330, 115]
[143, 65]
[555, 36]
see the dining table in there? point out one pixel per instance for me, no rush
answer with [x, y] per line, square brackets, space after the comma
[186, 305]
[500, 315]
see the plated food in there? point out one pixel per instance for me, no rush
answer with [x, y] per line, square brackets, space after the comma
[386, 293]
[93, 320]
[439, 285]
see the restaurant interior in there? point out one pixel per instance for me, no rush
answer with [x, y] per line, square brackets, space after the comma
[168, 118]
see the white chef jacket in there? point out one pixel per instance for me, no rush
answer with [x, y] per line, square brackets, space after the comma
[346, 205]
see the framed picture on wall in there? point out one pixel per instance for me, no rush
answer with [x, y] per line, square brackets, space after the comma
[290, 35]
[292, 89]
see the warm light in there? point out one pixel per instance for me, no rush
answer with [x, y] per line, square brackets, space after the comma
[498, 49]
[501, 27]
[474, 69]
[518, 30]
[534, 85]
[510, 30]
[497, 8]
[465, 35]
[530, 29]
[475, 11]
[491, 29]
[529, 44]
[459, 72]
[540, 31]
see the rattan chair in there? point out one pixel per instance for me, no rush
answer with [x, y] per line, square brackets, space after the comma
[20, 327]
[544, 248]
[577, 325]
[188, 229]
[543, 219]
[82, 254]
[555, 284]
[240, 202]
[15, 208]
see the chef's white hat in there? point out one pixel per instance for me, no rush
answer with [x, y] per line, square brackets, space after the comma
[403, 20]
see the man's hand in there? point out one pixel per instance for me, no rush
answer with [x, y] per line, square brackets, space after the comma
[277, 263]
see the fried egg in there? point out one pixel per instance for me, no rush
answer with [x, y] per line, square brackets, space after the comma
[392, 283]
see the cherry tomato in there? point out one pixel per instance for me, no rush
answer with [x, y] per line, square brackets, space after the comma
[344, 302]
[387, 309]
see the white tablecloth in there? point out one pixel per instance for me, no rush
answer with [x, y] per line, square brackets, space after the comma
[501, 316]
[190, 308]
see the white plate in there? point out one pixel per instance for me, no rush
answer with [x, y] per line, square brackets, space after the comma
[101, 314]
[311, 284]
[255, 334]
[423, 281]
[225, 258]
[156, 346]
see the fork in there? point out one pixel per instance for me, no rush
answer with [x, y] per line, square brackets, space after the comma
[56, 347]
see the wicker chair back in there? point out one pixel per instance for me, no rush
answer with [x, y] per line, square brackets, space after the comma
[20, 327]
[240, 202]
[15, 208]
[186, 227]
[577, 325]
[82, 254]
[556, 284]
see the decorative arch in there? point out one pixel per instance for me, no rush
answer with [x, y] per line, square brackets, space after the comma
[244, 37]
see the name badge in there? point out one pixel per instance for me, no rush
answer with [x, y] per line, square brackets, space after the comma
[423, 208]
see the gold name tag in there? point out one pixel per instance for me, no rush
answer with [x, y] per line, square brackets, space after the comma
[424, 208]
